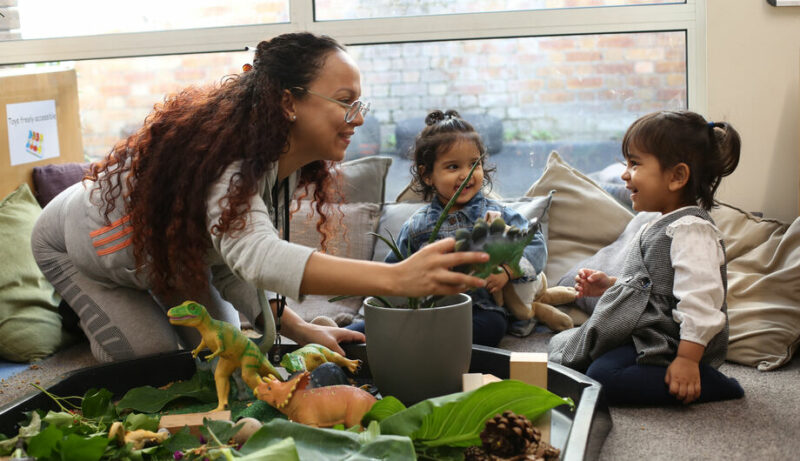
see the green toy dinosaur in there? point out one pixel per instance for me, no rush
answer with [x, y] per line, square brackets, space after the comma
[311, 356]
[504, 244]
[234, 349]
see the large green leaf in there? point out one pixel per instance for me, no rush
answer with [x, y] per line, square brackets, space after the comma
[326, 444]
[285, 450]
[148, 399]
[458, 419]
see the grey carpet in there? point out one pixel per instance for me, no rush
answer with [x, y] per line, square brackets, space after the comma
[763, 425]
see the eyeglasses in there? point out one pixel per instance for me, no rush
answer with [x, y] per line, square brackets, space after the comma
[353, 109]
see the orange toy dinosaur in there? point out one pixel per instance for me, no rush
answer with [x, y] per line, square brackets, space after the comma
[319, 407]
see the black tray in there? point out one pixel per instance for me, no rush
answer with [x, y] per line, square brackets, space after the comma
[579, 434]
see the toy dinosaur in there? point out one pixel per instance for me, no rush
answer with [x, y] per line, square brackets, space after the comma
[319, 407]
[505, 245]
[312, 355]
[235, 350]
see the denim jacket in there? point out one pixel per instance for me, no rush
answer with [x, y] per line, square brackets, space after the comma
[418, 228]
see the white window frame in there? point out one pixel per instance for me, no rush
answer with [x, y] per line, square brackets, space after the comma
[689, 17]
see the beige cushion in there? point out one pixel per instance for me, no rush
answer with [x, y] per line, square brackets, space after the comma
[363, 180]
[583, 217]
[352, 241]
[409, 195]
[763, 287]
[351, 237]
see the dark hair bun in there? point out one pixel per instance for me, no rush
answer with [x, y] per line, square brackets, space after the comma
[439, 116]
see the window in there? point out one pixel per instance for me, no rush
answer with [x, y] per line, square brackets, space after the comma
[566, 75]
[365, 9]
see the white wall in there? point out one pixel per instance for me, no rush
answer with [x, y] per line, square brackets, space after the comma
[754, 83]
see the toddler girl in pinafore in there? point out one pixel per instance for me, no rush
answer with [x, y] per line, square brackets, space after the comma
[660, 328]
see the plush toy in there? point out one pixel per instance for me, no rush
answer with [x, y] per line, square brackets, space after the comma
[532, 299]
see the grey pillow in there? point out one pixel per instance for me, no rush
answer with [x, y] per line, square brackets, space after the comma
[608, 259]
[395, 214]
[363, 179]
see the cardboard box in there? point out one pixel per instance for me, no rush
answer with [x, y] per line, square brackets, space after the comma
[40, 124]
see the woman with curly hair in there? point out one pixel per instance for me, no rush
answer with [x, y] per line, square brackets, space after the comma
[189, 207]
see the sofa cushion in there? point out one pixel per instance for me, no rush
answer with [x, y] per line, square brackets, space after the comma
[30, 327]
[583, 217]
[395, 214]
[354, 241]
[50, 180]
[352, 238]
[363, 179]
[763, 287]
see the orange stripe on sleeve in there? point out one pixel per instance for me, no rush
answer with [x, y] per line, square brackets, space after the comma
[114, 248]
[113, 225]
[112, 237]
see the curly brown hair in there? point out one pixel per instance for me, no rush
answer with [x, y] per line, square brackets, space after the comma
[185, 144]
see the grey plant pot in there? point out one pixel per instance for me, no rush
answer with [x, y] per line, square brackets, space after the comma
[422, 353]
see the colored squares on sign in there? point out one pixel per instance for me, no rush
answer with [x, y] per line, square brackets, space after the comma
[34, 143]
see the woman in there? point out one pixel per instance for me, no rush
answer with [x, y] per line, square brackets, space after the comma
[187, 208]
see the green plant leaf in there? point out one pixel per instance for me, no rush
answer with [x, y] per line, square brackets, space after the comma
[148, 399]
[219, 430]
[283, 449]
[136, 421]
[97, 404]
[58, 418]
[382, 409]
[42, 445]
[391, 243]
[77, 448]
[182, 440]
[326, 444]
[457, 419]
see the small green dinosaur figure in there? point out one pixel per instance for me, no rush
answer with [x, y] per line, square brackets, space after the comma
[235, 350]
[312, 355]
[505, 245]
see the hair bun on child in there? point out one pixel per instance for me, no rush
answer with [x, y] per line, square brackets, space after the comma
[439, 116]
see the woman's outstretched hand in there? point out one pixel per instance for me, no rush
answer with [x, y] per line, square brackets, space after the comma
[590, 282]
[428, 271]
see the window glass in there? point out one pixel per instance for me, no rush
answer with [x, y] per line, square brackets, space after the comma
[326, 10]
[94, 17]
[115, 95]
[527, 96]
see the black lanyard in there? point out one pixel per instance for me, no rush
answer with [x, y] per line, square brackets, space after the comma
[275, 194]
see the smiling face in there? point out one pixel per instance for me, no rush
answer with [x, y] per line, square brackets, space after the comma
[652, 187]
[319, 131]
[450, 169]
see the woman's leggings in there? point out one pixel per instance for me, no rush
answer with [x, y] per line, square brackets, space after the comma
[625, 382]
[120, 321]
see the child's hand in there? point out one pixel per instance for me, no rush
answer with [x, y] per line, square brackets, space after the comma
[496, 282]
[590, 282]
[683, 379]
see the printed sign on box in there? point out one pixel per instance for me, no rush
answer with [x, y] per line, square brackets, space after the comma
[32, 131]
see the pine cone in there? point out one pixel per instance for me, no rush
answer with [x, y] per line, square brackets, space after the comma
[546, 452]
[508, 434]
[475, 454]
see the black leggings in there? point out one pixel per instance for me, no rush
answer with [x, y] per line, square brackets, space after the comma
[625, 382]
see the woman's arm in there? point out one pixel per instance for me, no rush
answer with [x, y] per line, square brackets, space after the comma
[426, 272]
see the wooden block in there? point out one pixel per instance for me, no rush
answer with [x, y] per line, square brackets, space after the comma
[472, 381]
[531, 368]
[174, 423]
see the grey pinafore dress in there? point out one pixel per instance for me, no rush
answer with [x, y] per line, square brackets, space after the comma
[638, 308]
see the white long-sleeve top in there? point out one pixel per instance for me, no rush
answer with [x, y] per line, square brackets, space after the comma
[697, 255]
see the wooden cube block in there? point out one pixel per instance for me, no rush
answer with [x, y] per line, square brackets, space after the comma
[194, 421]
[531, 368]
